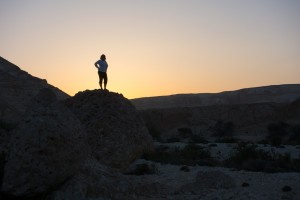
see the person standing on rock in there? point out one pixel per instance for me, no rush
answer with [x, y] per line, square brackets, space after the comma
[102, 68]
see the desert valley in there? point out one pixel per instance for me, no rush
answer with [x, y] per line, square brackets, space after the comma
[99, 145]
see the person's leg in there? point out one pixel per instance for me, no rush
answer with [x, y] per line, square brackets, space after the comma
[105, 80]
[100, 79]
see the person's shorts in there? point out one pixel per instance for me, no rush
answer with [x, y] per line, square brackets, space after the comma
[102, 75]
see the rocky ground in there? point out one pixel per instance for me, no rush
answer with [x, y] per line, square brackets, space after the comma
[198, 182]
[222, 151]
[219, 183]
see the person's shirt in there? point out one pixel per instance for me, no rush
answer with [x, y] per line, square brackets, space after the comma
[102, 65]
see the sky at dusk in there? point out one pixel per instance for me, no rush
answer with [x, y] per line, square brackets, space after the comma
[154, 47]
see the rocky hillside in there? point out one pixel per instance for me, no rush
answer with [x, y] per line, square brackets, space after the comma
[56, 139]
[17, 88]
[248, 122]
[61, 142]
[244, 114]
[267, 94]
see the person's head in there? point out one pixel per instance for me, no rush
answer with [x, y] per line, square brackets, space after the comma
[103, 57]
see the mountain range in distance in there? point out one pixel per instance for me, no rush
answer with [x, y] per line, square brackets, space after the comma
[285, 93]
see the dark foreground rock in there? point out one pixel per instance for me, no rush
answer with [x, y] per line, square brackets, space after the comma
[45, 150]
[115, 131]
[52, 147]
[17, 88]
[96, 181]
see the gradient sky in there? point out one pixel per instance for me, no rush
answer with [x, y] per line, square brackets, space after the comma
[154, 47]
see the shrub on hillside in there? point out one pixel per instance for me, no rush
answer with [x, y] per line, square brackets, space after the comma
[194, 152]
[283, 133]
[156, 134]
[277, 132]
[143, 169]
[185, 132]
[164, 157]
[198, 139]
[295, 135]
[248, 157]
[173, 140]
[189, 155]
[222, 129]
[227, 140]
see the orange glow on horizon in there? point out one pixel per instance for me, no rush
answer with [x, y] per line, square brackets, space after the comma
[185, 47]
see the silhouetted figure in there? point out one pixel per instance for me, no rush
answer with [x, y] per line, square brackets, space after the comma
[102, 68]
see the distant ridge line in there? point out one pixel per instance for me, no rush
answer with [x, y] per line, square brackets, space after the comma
[283, 93]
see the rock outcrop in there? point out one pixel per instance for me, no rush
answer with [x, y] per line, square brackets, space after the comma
[46, 149]
[17, 88]
[115, 131]
[49, 140]
[96, 181]
[57, 141]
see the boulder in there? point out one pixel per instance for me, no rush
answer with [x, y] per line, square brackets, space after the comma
[116, 132]
[45, 149]
[97, 181]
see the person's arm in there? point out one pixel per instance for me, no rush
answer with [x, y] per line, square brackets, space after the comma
[96, 65]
